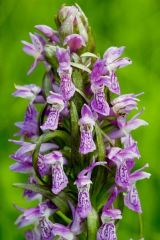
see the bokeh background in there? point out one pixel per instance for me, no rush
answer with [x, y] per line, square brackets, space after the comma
[132, 23]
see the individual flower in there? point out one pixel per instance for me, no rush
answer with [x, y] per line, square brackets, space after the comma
[48, 32]
[119, 157]
[31, 195]
[125, 127]
[57, 105]
[29, 127]
[28, 147]
[59, 179]
[131, 198]
[31, 92]
[83, 182]
[23, 163]
[103, 71]
[74, 41]
[65, 71]
[34, 49]
[107, 231]
[33, 215]
[86, 123]
[124, 104]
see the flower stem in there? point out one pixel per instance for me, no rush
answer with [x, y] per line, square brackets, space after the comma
[140, 226]
[64, 217]
[82, 94]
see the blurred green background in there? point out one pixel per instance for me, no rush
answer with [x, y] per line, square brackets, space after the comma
[132, 23]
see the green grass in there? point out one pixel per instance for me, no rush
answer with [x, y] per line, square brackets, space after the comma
[133, 23]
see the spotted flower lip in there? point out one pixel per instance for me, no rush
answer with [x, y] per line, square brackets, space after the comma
[86, 123]
[74, 41]
[57, 105]
[99, 103]
[48, 32]
[83, 182]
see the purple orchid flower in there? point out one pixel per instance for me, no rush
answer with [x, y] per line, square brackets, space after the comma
[124, 104]
[126, 127]
[119, 157]
[83, 184]
[107, 231]
[31, 92]
[55, 162]
[23, 163]
[99, 103]
[86, 127]
[29, 128]
[48, 32]
[34, 49]
[131, 198]
[32, 215]
[65, 72]
[31, 195]
[75, 42]
[104, 70]
[57, 105]
[27, 147]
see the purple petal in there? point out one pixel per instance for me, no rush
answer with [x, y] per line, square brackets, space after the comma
[131, 200]
[113, 53]
[74, 41]
[48, 32]
[63, 231]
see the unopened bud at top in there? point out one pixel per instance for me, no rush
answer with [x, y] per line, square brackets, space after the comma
[72, 20]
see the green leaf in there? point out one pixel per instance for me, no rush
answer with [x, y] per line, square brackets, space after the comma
[74, 132]
[89, 54]
[100, 143]
[46, 84]
[78, 80]
[35, 188]
[92, 225]
[81, 67]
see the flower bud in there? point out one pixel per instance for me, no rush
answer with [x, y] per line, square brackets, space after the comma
[72, 20]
